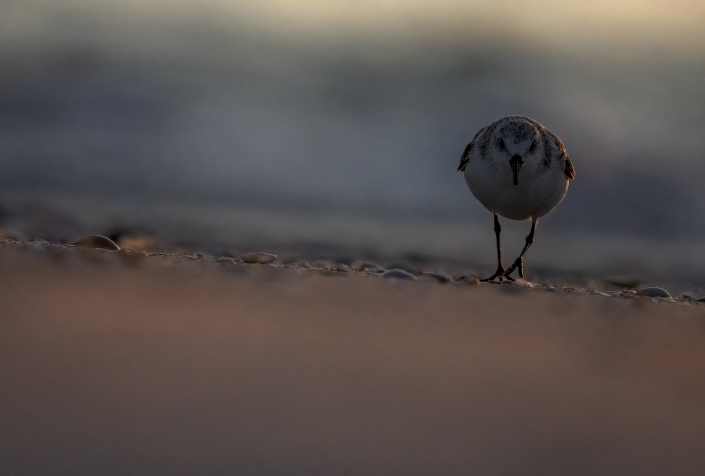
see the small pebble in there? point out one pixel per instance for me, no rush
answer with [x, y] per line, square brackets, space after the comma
[519, 282]
[653, 292]
[409, 268]
[464, 278]
[258, 257]
[628, 282]
[138, 243]
[523, 283]
[397, 274]
[370, 266]
[441, 278]
[97, 242]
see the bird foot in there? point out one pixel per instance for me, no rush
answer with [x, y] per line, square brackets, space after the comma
[501, 274]
[518, 264]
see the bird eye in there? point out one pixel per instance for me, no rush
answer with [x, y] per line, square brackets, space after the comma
[500, 143]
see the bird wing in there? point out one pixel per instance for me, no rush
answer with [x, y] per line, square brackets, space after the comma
[569, 170]
[465, 158]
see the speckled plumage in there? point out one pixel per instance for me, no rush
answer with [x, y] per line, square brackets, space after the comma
[517, 169]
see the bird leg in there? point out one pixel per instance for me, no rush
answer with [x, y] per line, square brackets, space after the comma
[519, 263]
[500, 273]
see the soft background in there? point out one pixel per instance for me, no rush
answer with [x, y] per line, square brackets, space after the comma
[340, 123]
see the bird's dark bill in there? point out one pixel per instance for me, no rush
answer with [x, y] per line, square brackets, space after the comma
[516, 164]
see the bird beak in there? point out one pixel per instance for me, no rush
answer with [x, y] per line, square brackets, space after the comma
[515, 163]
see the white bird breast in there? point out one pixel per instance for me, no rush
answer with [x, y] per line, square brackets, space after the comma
[538, 191]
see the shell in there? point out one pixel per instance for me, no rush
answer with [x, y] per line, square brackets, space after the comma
[653, 292]
[97, 242]
[258, 257]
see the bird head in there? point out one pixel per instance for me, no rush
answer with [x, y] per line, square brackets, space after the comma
[519, 141]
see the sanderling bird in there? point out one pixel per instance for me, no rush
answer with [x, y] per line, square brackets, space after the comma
[517, 169]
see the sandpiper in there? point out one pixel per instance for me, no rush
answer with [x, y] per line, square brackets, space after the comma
[517, 169]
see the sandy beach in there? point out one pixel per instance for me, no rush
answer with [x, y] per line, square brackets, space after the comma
[129, 363]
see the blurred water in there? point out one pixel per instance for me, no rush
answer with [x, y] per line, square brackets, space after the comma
[139, 113]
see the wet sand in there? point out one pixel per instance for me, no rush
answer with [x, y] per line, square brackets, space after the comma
[122, 363]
